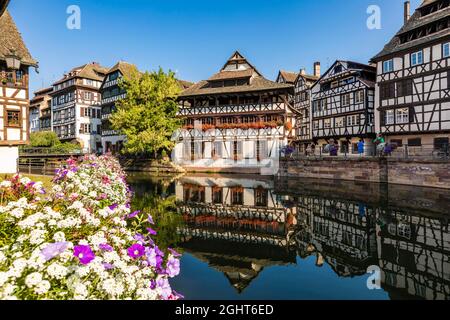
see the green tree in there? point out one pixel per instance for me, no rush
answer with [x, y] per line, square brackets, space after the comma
[147, 116]
[43, 139]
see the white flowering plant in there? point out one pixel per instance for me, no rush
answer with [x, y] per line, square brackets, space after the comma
[76, 241]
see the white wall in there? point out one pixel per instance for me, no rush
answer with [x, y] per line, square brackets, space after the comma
[8, 159]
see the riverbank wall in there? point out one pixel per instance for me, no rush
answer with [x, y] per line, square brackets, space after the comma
[413, 172]
[150, 166]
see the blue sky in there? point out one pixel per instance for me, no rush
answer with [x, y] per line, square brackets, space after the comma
[195, 37]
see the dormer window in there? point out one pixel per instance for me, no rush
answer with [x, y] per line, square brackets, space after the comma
[388, 66]
[416, 58]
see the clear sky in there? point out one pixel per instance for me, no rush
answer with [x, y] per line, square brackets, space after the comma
[195, 37]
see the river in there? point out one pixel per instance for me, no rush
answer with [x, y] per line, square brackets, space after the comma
[251, 237]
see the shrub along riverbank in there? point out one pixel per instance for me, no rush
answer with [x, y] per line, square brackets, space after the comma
[79, 239]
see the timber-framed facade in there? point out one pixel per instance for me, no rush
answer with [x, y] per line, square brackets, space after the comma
[302, 105]
[76, 112]
[41, 110]
[236, 119]
[413, 79]
[15, 61]
[343, 101]
[111, 92]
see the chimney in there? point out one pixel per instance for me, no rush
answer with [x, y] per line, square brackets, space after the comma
[407, 11]
[317, 69]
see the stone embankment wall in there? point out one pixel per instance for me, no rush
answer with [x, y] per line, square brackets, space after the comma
[413, 172]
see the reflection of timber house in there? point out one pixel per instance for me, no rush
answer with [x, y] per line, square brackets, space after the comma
[341, 232]
[236, 226]
[414, 255]
[403, 230]
[235, 119]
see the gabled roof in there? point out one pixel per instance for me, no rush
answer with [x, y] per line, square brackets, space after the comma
[348, 67]
[11, 41]
[416, 21]
[236, 67]
[93, 71]
[288, 76]
[125, 68]
[307, 77]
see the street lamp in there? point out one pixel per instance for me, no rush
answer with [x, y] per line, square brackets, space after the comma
[12, 61]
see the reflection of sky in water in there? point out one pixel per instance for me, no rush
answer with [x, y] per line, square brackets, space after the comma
[301, 281]
[345, 227]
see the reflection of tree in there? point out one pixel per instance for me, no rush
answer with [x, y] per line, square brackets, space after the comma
[163, 211]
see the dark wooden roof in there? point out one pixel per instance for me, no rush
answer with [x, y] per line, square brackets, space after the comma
[416, 21]
[256, 81]
[11, 40]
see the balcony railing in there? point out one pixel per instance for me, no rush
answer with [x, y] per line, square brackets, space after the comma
[389, 151]
[114, 98]
[226, 109]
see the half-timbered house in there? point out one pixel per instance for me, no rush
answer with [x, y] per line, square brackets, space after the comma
[236, 119]
[41, 110]
[302, 105]
[15, 61]
[413, 79]
[343, 106]
[76, 112]
[111, 92]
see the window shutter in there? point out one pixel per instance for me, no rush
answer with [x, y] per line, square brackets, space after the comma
[383, 118]
[411, 114]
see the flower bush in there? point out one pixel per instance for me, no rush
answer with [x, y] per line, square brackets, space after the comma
[78, 240]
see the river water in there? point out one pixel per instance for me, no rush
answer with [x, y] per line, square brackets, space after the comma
[251, 237]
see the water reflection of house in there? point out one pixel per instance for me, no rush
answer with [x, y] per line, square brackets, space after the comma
[414, 254]
[342, 233]
[237, 226]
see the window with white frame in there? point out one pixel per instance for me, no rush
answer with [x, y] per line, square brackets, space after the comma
[388, 66]
[353, 120]
[402, 115]
[416, 58]
[327, 123]
[359, 96]
[316, 125]
[88, 96]
[390, 116]
[446, 50]
[339, 122]
[345, 99]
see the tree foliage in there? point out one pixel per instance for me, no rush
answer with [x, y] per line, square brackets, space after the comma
[147, 116]
[49, 139]
[43, 139]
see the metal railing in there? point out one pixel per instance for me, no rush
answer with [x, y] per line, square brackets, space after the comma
[48, 152]
[390, 151]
